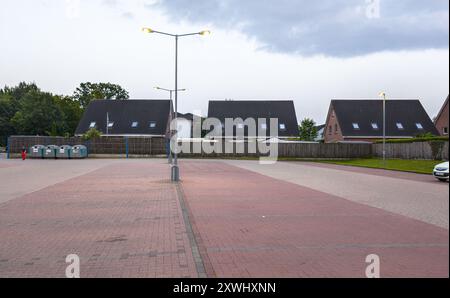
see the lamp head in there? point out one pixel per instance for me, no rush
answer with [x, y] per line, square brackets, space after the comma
[147, 30]
[205, 33]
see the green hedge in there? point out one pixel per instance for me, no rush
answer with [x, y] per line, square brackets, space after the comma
[415, 140]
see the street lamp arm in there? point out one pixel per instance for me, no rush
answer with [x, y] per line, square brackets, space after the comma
[189, 34]
[164, 33]
[169, 90]
[148, 30]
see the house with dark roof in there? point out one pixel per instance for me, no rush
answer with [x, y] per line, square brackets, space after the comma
[128, 118]
[362, 120]
[441, 121]
[282, 110]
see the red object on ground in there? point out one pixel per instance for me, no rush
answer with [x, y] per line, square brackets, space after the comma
[24, 155]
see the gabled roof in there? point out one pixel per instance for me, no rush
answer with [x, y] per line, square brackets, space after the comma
[442, 110]
[187, 116]
[123, 113]
[284, 110]
[365, 112]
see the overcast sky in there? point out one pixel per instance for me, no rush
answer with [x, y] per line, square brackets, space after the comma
[307, 51]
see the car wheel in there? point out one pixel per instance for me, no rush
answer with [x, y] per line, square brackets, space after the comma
[443, 180]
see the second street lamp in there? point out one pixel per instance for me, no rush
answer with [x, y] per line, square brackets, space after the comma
[383, 96]
[170, 91]
[175, 172]
[173, 114]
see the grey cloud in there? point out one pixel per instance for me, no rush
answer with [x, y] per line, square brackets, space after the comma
[338, 28]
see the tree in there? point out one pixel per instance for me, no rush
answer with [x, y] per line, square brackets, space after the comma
[87, 92]
[39, 114]
[10, 98]
[308, 130]
[72, 113]
[6, 113]
[92, 134]
[25, 109]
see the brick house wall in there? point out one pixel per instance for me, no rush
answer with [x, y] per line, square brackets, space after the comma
[442, 120]
[332, 132]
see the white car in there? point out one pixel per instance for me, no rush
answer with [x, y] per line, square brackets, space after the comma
[441, 172]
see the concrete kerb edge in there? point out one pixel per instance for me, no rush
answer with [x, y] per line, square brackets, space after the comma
[202, 264]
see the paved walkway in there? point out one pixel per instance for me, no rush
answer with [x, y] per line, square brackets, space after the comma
[413, 195]
[251, 225]
[123, 220]
[22, 177]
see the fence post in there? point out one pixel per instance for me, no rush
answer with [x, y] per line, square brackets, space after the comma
[126, 147]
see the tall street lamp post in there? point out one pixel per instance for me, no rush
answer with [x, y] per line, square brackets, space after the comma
[175, 173]
[173, 114]
[383, 95]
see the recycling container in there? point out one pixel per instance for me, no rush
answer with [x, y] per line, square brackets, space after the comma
[37, 151]
[50, 151]
[79, 152]
[63, 152]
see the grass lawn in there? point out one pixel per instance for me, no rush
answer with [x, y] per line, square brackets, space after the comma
[415, 166]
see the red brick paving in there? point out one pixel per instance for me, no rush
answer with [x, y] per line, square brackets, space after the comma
[122, 220]
[125, 220]
[255, 226]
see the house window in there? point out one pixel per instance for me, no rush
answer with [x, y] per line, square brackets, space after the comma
[152, 124]
[110, 124]
[375, 126]
[400, 126]
[330, 130]
[445, 130]
[336, 129]
[283, 126]
[356, 126]
[92, 125]
[419, 126]
[135, 124]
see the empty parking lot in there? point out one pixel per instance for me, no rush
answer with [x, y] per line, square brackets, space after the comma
[226, 219]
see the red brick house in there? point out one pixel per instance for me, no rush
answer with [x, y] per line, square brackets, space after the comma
[441, 120]
[362, 120]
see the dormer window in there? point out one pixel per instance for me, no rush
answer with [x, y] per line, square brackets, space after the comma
[92, 125]
[400, 126]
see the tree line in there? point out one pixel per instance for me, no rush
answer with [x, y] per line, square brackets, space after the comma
[27, 110]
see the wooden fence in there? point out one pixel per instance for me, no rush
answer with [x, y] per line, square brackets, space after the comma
[103, 145]
[435, 150]
[145, 146]
[285, 150]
